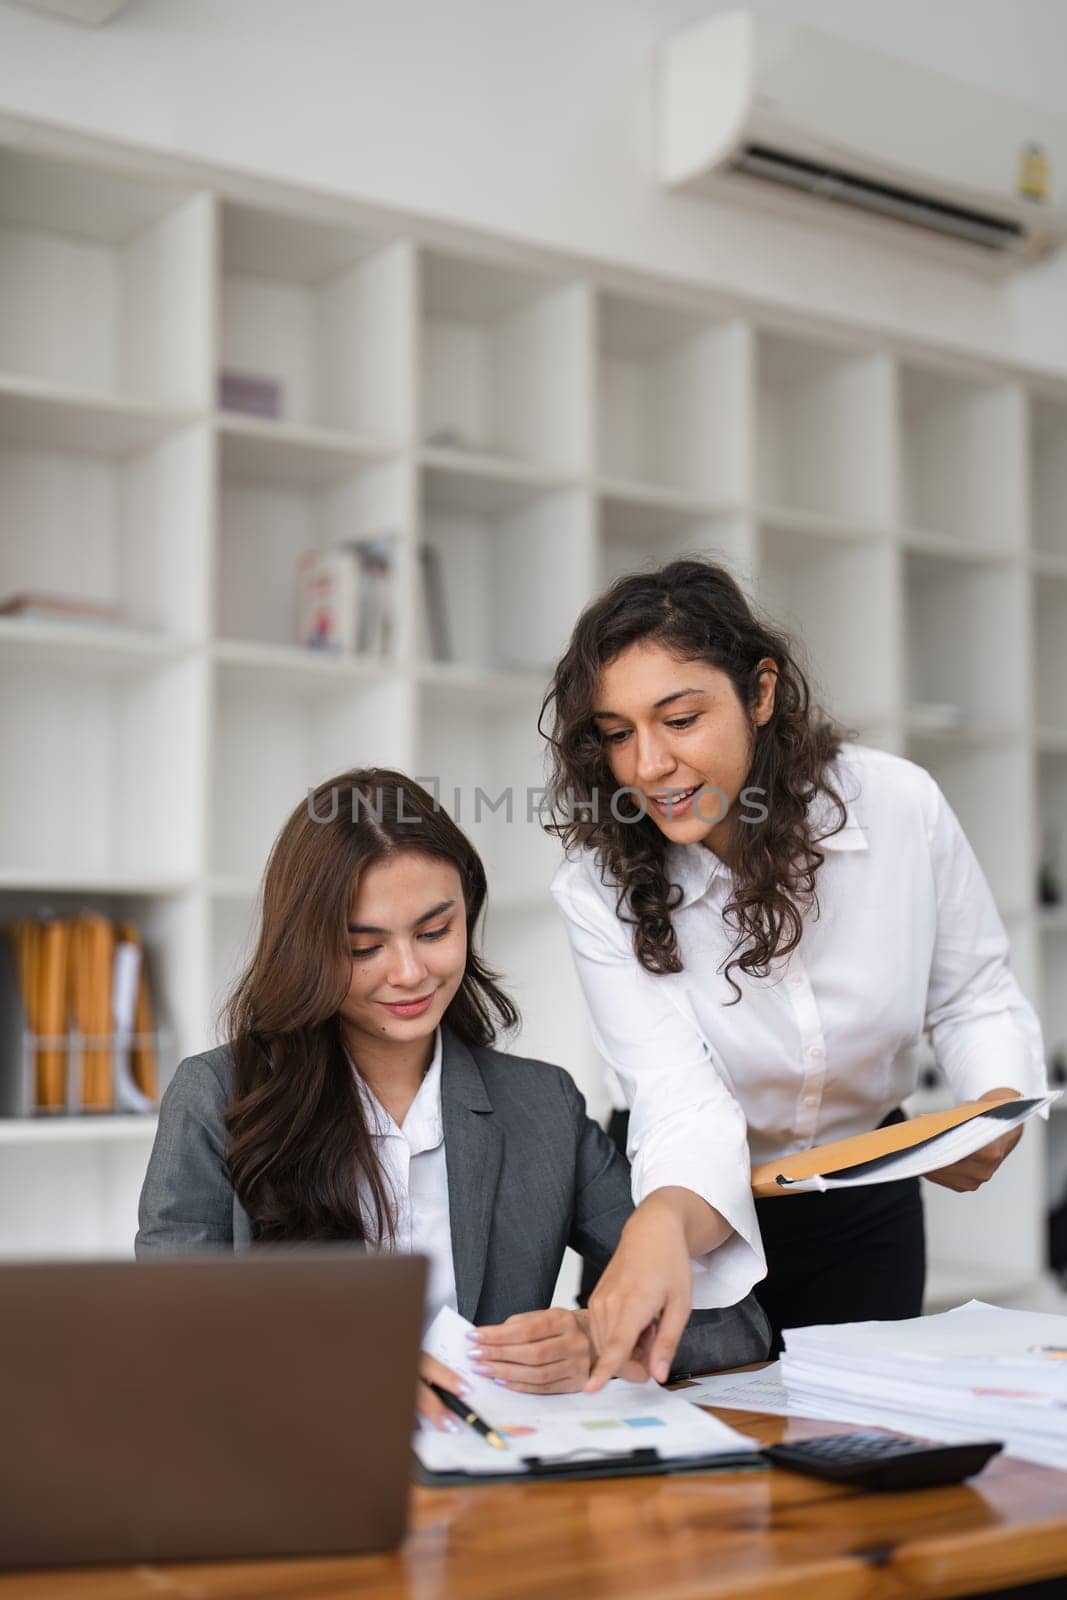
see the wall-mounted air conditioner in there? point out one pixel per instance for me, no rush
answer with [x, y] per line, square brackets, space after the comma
[760, 110]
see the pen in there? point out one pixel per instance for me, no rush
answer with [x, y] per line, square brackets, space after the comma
[460, 1409]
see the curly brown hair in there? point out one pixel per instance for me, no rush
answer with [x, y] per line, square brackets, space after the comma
[694, 608]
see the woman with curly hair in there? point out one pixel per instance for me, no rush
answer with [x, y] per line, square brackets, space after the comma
[765, 919]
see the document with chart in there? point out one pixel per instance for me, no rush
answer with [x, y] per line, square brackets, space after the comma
[624, 1422]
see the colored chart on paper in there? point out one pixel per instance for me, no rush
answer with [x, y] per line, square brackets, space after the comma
[525, 1430]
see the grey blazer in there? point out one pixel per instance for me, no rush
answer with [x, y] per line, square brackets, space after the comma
[529, 1173]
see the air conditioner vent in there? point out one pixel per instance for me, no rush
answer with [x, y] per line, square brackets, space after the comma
[982, 228]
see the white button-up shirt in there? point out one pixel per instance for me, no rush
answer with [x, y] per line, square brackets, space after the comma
[907, 940]
[412, 1158]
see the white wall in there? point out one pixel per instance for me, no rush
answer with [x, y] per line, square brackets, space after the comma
[533, 118]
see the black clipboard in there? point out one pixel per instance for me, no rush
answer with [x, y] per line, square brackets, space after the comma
[643, 1461]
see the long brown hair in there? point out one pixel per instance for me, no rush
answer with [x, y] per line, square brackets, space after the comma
[695, 609]
[299, 1142]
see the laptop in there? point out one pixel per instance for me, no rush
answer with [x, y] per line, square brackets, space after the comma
[258, 1404]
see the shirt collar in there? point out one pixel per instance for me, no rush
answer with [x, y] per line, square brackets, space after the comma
[696, 869]
[422, 1127]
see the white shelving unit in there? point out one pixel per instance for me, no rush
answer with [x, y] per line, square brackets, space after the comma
[541, 427]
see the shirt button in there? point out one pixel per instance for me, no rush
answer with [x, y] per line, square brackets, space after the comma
[794, 981]
[811, 1099]
[815, 1051]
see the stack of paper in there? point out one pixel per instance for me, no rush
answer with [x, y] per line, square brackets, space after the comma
[977, 1372]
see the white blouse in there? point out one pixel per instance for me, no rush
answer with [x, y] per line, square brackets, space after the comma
[907, 939]
[413, 1163]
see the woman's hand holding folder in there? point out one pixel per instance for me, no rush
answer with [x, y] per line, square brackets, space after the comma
[977, 1168]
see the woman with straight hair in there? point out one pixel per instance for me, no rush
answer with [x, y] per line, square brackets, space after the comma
[765, 919]
[360, 1097]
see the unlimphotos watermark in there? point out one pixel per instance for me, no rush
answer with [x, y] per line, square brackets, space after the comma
[529, 804]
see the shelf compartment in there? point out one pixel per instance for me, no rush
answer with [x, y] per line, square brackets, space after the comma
[1048, 477]
[233, 928]
[1024, 943]
[115, 886]
[294, 669]
[822, 429]
[71, 1198]
[169, 919]
[274, 739]
[962, 458]
[125, 525]
[467, 685]
[269, 516]
[324, 311]
[526, 943]
[43, 416]
[291, 455]
[835, 596]
[20, 1132]
[989, 789]
[103, 772]
[471, 754]
[504, 356]
[965, 626]
[673, 398]
[515, 567]
[932, 725]
[105, 650]
[638, 534]
[1052, 830]
[105, 281]
[984, 1244]
[1050, 641]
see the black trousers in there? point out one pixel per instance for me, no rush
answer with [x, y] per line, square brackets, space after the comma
[851, 1255]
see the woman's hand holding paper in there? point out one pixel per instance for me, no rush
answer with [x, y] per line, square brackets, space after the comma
[540, 1352]
[979, 1167]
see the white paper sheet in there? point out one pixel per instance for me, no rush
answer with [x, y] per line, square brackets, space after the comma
[621, 1418]
[741, 1391]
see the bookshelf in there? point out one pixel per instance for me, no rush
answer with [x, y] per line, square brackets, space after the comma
[540, 425]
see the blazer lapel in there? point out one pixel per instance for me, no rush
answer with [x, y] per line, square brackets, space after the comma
[474, 1151]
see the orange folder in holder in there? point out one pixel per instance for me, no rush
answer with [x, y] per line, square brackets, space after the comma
[42, 951]
[92, 954]
[844, 1155]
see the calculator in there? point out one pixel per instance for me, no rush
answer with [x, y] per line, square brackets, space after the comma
[872, 1460]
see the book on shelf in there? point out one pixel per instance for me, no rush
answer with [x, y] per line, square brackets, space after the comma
[435, 603]
[376, 575]
[77, 1021]
[253, 394]
[326, 601]
[345, 597]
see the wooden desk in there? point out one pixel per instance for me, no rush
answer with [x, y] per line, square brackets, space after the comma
[768, 1535]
